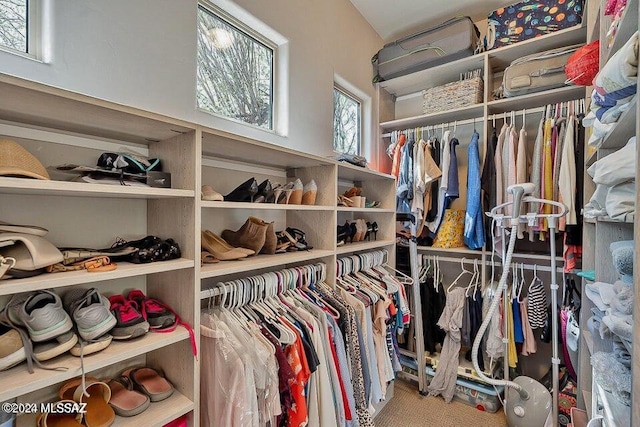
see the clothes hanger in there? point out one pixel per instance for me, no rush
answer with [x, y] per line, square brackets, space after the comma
[464, 271]
[522, 283]
[472, 281]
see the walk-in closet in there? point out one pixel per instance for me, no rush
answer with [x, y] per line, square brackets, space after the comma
[339, 213]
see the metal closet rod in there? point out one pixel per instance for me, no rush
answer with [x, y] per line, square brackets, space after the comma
[488, 263]
[489, 117]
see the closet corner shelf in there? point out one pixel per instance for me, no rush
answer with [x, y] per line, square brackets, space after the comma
[502, 57]
[537, 99]
[37, 187]
[450, 250]
[624, 129]
[18, 381]
[157, 415]
[462, 113]
[70, 278]
[615, 413]
[627, 27]
[365, 210]
[261, 261]
[363, 246]
[264, 206]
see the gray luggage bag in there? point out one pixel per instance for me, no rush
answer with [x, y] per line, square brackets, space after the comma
[454, 39]
[537, 72]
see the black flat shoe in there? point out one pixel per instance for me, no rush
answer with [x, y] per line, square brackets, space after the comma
[245, 192]
[265, 192]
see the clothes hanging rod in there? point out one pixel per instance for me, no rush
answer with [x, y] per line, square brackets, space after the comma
[488, 263]
[488, 118]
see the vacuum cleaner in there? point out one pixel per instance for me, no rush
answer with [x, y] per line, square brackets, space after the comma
[527, 402]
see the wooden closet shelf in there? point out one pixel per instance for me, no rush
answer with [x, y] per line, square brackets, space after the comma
[261, 261]
[37, 187]
[71, 278]
[18, 381]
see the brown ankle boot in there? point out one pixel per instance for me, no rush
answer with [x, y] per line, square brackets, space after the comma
[251, 235]
[271, 240]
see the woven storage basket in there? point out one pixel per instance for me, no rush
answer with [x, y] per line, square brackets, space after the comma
[453, 95]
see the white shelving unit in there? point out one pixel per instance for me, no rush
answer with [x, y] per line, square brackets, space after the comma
[600, 232]
[60, 126]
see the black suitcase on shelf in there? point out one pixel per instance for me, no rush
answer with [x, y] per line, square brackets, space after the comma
[454, 39]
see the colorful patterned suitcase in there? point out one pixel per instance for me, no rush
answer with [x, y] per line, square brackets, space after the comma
[531, 18]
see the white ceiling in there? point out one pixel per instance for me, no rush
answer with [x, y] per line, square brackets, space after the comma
[393, 18]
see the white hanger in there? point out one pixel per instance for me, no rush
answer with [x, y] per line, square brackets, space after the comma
[462, 273]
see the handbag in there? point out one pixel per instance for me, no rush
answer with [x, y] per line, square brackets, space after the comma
[31, 254]
[451, 231]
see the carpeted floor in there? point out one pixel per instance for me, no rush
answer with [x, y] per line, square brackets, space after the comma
[408, 408]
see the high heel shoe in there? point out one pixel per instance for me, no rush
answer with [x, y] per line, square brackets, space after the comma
[265, 192]
[374, 230]
[226, 245]
[217, 247]
[299, 237]
[252, 235]
[309, 193]
[295, 198]
[282, 193]
[244, 192]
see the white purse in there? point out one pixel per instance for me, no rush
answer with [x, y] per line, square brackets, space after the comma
[28, 253]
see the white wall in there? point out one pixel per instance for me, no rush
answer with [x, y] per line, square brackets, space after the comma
[142, 53]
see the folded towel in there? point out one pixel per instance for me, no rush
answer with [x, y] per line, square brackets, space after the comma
[620, 325]
[623, 303]
[620, 352]
[601, 294]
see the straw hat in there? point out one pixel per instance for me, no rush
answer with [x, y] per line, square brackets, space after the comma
[16, 161]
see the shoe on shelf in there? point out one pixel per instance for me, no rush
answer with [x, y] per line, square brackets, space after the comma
[208, 193]
[309, 193]
[150, 382]
[265, 192]
[90, 311]
[297, 238]
[372, 204]
[296, 194]
[220, 249]
[245, 192]
[207, 258]
[125, 401]
[96, 394]
[252, 235]
[44, 316]
[353, 191]
[84, 348]
[55, 347]
[346, 201]
[129, 321]
[59, 417]
[12, 350]
[213, 235]
[159, 315]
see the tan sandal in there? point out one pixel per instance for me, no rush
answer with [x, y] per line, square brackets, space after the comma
[125, 401]
[62, 419]
[98, 412]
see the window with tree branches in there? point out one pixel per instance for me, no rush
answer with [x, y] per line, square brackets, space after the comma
[14, 25]
[347, 112]
[235, 71]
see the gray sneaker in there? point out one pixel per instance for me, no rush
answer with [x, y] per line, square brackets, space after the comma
[90, 312]
[43, 315]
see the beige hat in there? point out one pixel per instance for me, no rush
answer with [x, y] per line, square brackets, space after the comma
[16, 161]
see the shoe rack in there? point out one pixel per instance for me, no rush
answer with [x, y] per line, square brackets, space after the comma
[61, 127]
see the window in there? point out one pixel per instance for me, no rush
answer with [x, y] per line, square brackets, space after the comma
[14, 24]
[347, 112]
[235, 71]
